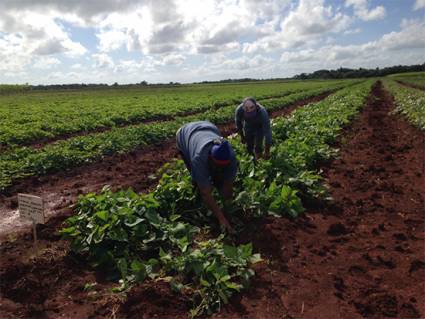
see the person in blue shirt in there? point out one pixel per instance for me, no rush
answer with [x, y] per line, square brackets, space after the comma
[211, 161]
[253, 125]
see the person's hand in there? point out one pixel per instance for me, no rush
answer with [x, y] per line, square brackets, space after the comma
[266, 155]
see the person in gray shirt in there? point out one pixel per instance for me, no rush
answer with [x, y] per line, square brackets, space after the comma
[253, 125]
[211, 161]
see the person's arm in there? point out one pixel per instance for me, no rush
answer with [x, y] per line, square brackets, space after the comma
[200, 176]
[267, 131]
[211, 203]
[227, 190]
[238, 121]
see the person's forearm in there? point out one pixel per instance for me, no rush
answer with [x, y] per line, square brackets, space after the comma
[211, 204]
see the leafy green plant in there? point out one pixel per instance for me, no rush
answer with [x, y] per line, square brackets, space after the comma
[140, 236]
[17, 162]
[409, 102]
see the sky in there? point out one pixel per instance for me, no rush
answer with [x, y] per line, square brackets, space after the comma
[127, 41]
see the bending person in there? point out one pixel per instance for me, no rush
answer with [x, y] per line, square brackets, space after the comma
[253, 125]
[211, 162]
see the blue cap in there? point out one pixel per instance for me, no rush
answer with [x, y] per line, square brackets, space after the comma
[220, 152]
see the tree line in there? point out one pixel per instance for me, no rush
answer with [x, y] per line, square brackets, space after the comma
[341, 73]
[346, 73]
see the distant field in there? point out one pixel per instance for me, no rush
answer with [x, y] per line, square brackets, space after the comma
[13, 88]
[28, 117]
[413, 78]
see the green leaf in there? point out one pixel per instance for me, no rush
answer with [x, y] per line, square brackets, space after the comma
[246, 250]
[139, 270]
[230, 251]
[103, 215]
[122, 267]
[233, 285]
[152, 217]
[136, 222]
[204, 283]
[176, 286]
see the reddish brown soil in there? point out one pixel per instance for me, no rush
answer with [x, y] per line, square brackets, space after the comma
[51, 281]
[134, 169]
[362, 256]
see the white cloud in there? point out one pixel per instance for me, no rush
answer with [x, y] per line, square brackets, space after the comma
[194, 39]
[13, 54]
[173, 59]
[77, 66]
[177, 26]
[309, 23]
[419, 4]
[147, 65]
[390, 47]
[110, 40]
[410, 37]
[312, 17]
[361, 10]
[27, 35]
[245, 63]
[102, 60]
[46, 62]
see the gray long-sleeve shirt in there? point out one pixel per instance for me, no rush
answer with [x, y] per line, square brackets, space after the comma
[260, 121]
[194, 140]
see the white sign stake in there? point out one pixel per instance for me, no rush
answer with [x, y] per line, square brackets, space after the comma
[31, 207]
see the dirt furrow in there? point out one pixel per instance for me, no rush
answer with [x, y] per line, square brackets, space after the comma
[134, 169]
[362, 256]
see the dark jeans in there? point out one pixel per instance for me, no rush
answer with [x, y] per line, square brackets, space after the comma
[254, 140]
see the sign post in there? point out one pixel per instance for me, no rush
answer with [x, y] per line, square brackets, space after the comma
[31, 207]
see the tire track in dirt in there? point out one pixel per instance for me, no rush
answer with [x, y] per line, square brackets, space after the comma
[133, 169]
[362, 256]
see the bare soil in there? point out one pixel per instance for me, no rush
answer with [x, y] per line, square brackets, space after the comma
[361, 256]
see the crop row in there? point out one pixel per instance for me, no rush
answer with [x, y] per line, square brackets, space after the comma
[25, 161]
[413, 78]
[158, 235]
[409, 102]
[34, 116]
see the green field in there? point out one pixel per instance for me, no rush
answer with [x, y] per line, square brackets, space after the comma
[167, 234]
[18, 126]
[117, 230]
[415, 78]
[28, 117]
[409, 102]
